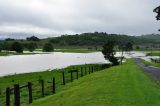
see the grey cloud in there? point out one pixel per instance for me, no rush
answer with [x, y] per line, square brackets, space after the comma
[133, 17]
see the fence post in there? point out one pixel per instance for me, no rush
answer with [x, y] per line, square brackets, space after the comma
[63, 78]
[42, 84]
[8, 96]
[71, 76]
[30, 91]
[81, 71]
[77, 74]
[53, 84]
[85, 70]
[91, 69]
[16, 95]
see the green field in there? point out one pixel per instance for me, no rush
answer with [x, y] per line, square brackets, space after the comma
[124, 85]
[56, 50]
[75, 50]
[22, 79]
[150, 63]
[10, 54]
[153, 54]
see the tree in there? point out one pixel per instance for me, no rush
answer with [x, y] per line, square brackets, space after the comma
[48, 47]
[9, 39]
[128, 46]
[121, 47]
[33, 38]
[137, 47]
[1, 47]
[157, 10]
[109, 53]
[31, 46]
[16, 46]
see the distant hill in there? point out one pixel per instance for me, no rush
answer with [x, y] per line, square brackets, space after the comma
[152, 38]
[98, 39]
[87, 40]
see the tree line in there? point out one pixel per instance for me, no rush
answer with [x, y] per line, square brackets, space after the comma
[19, 47]
[100, 38]
[94, 40]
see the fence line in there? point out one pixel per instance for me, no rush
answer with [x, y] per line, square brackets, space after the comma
[74, 74]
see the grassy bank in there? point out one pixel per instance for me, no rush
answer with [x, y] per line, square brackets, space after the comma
[11, 54]
[35, 78]
[150, 63]
[153, 54]
[56, 50]
[75, 50]
[124, 85]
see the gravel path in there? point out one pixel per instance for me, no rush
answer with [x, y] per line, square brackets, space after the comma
[154, 71]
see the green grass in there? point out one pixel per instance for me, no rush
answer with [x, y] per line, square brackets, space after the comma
[124, 85]
[10, 53]
[75, 50]
[56, 50]
[22, 79]
[150, 63]
[153, 54]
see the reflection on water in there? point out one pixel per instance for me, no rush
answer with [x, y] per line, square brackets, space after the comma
[41, 62]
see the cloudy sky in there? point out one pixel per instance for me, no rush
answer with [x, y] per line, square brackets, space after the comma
[56, 17]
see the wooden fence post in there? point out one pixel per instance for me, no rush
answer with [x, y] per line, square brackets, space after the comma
[42, 84]
[71, 76]
[63, 78]
[81, 71]
[85, 71]
[16, 95]
[8, 96]
[53, 85]
[89, 71]
[77, 74]
[92, 69]
[30, 92]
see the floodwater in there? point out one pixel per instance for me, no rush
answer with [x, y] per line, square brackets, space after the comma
[41, 62]
[143, 56]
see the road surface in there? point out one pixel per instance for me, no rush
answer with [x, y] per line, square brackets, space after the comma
[154, 71]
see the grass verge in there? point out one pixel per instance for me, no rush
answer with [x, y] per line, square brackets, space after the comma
[124, 85]
[150, 63]
[34, 78]
[75, 50]
[153, 54]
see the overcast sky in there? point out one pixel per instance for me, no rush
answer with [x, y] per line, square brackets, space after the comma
[134, 17]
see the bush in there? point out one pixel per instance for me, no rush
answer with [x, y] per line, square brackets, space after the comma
[16, 46]
[48, 47]
[31, 46]
[1, 47]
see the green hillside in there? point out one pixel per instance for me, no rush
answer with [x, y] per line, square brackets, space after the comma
[88, 41]
[125, 85]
